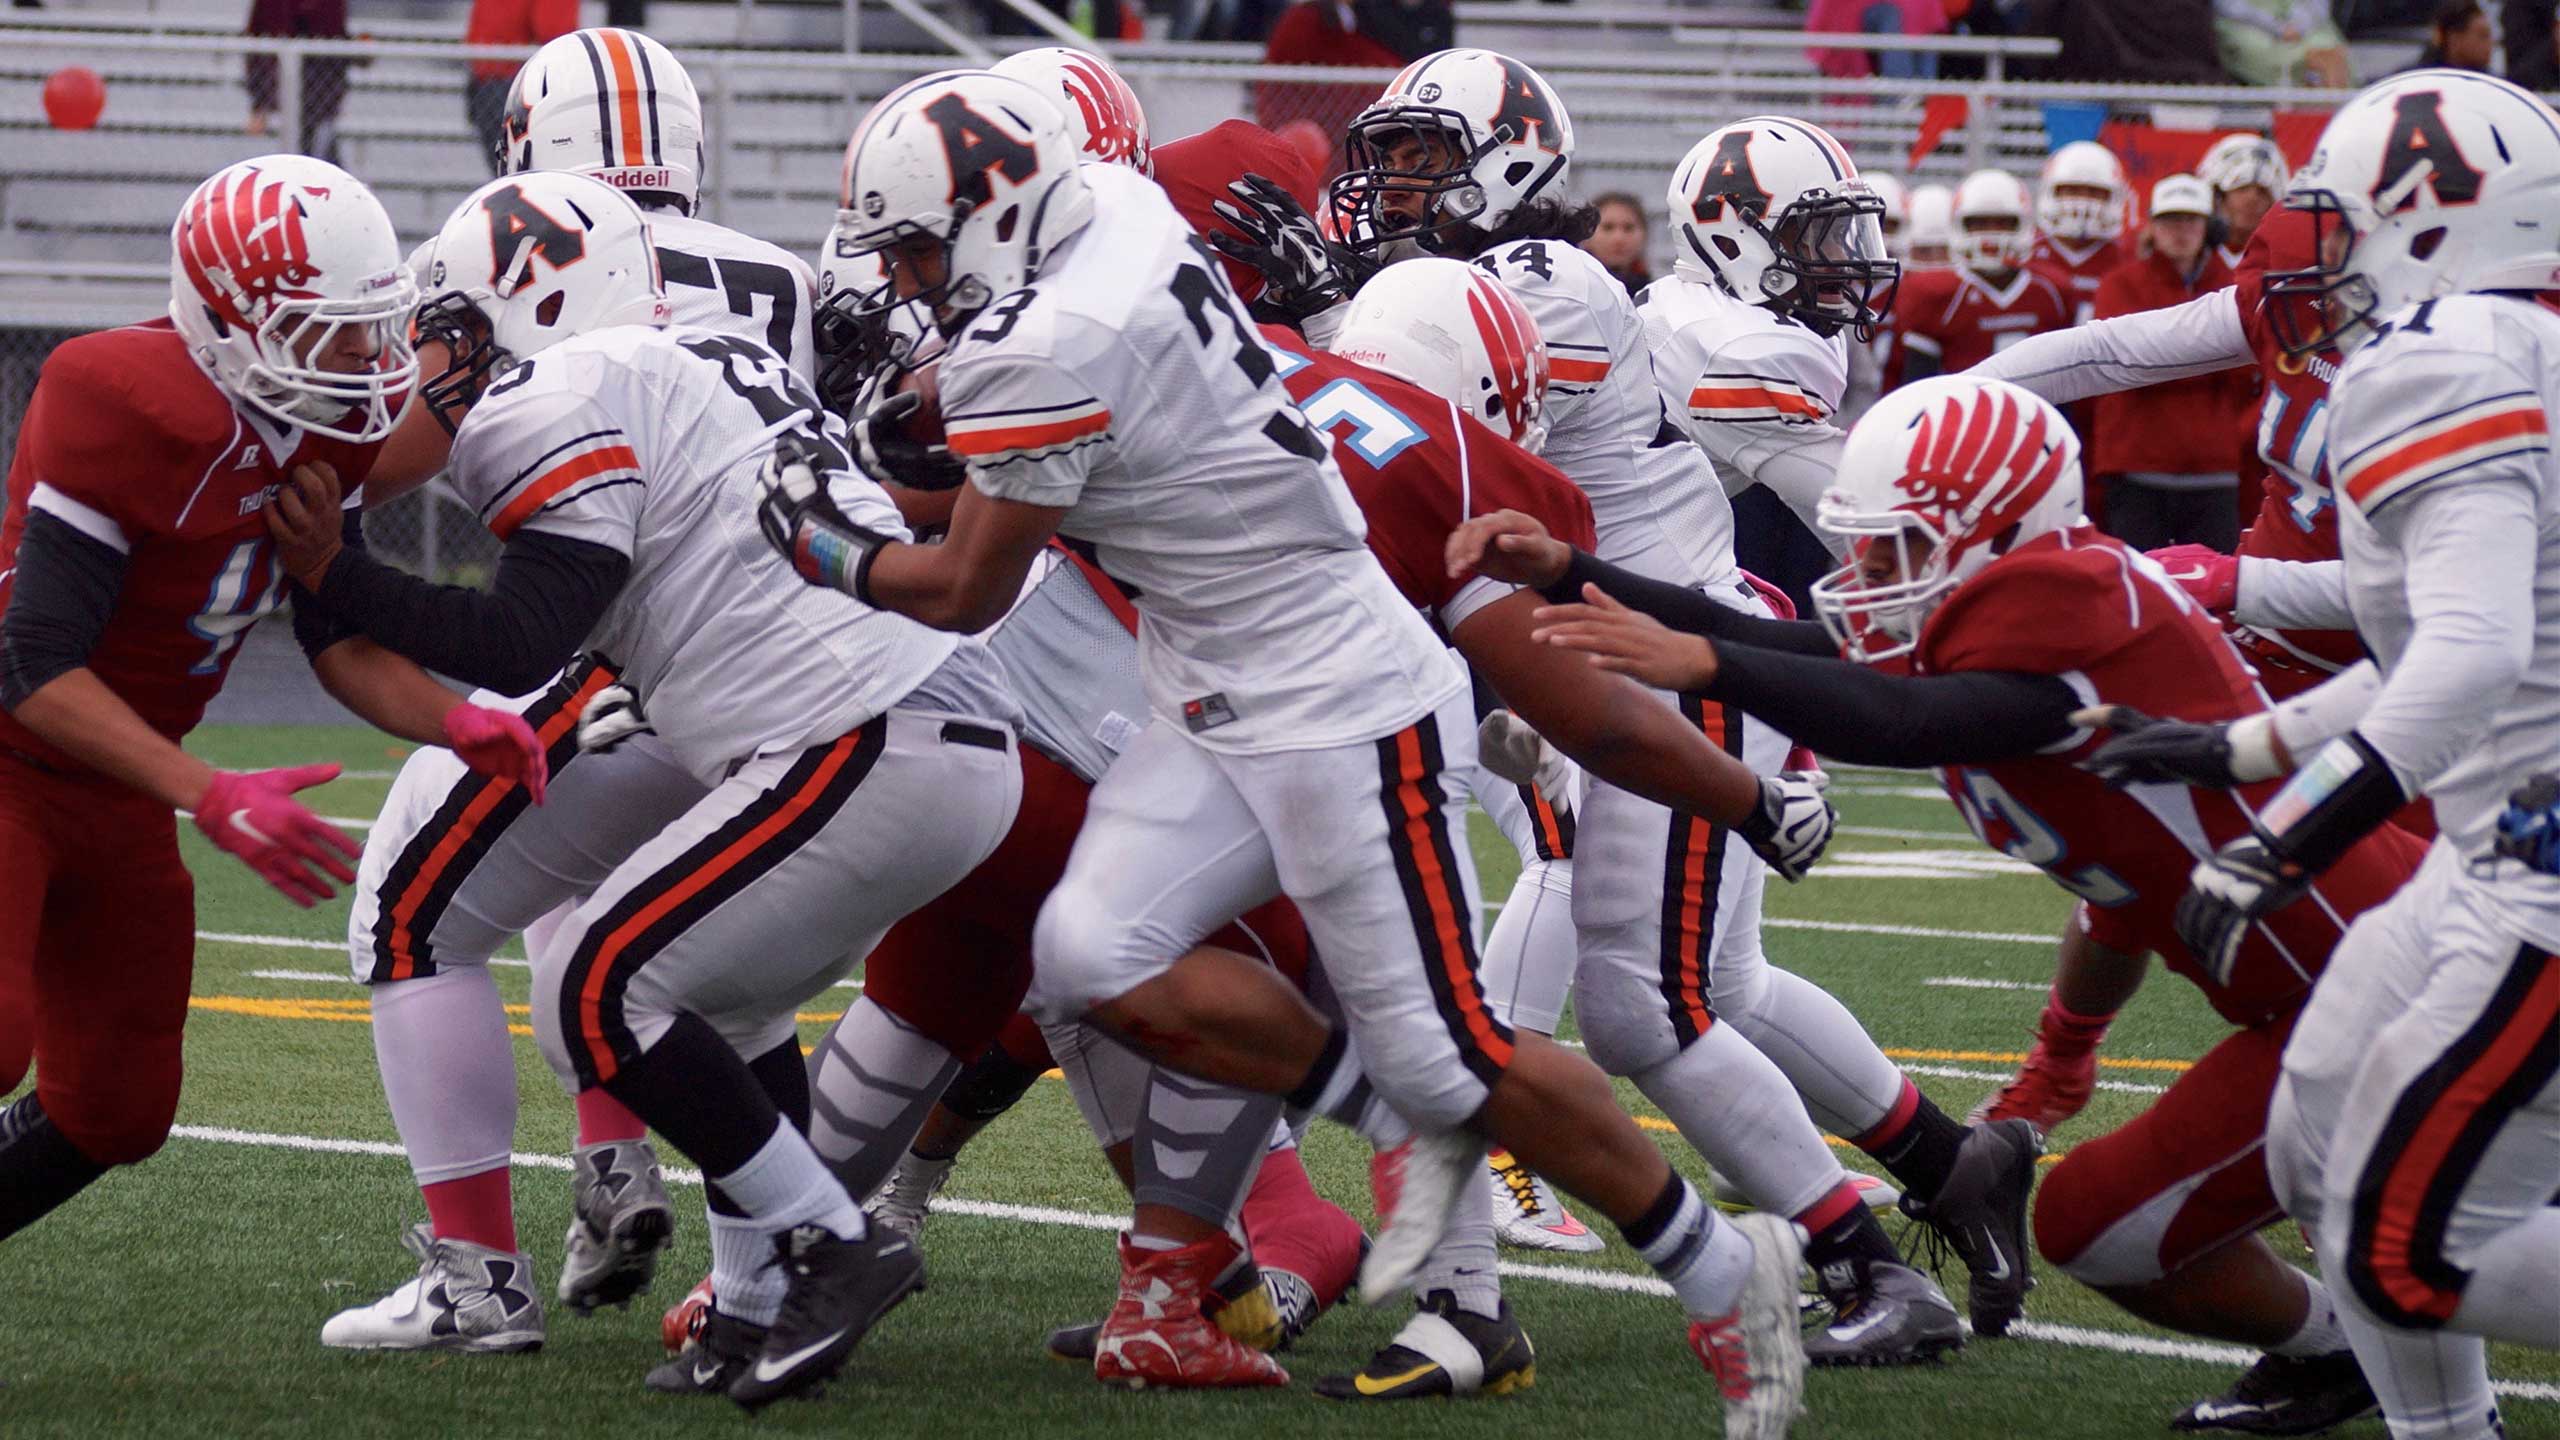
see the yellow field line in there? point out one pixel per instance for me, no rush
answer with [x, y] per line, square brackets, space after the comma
[2012, 1057]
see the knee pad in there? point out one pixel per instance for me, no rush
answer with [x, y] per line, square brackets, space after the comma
[1625, 1022]
[989, 1086]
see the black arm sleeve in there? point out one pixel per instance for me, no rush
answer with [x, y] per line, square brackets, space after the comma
[315, 626]
[1682, 608]
[1863, 716]
[549, 594]
[65, 592]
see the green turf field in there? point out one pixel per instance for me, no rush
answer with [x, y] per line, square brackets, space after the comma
[185, 1298]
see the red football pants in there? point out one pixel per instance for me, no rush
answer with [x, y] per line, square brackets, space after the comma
[957, 969]
[97, 946]
[2187, 1176]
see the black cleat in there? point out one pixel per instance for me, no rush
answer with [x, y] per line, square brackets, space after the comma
[1075, 1344]
[2278, 1396]
[838, 1290]
[724, 1349]
[1504, 1361]
[1897, 1316]
[1982, 1213]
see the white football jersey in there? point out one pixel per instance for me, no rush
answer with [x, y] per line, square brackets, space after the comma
[719, 279]
[1759, 392]
[2455, 398]
[1128, 387]
[1074, 668]
[1660, 509]
[647, 441]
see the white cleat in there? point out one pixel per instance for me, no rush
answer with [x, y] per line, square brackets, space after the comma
[464, 1297]
[1416, 1186]
[906, 1197]
[620, 1220]
[1528, 1214]
[1756, 1354]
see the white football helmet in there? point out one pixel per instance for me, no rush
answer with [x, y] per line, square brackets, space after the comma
[2431, 183]
[1937, 480]
[1459, 333]
[282, 268]
[1930, 241]
[2236, 162]
[981, 163]
[1495, 137]
[2065, 208]
[1992, 214]
[523, 264]
[1773, 211]
[609, 103]
[1897, 208]
[1102, 113]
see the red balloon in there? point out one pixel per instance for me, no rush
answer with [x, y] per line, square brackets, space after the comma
[73, 97]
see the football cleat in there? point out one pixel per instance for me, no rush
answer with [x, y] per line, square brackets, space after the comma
[1156, 1334]
[464, 1297]
[620, 1220]
[2047, 1090]
[1442, 1352]
[1756, 1354]
[685, 1318]
[1528, 1216]
[1265, 1309]
[908, 1194]
[723, 1349]
[1415, 1186]
[2278, 1396]
[838, 1289]
[1294, 1297]
[1982, 1213]
[1894, 1316]
[1878, 1193]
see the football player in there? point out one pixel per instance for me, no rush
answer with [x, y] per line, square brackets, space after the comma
[1467, 153]
[855, 764]
[1979, 617]
[1948, 320]
[134, 559]
[2418, 1124]
[457, 863]
[1309, 735]
[1930, 240]
[1102, 113]
[2082, 199]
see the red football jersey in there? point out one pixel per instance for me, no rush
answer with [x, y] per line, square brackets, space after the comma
[2298, 517]
[1418, 468]
[2078, 272]
[1957, 316]
[2080, 606]
[132, 443]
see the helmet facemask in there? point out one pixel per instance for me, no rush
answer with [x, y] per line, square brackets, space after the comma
[455, 320]
[1873, 607]
[1828, 265]
[290, 380]
[1440, 153]
[2325, 305]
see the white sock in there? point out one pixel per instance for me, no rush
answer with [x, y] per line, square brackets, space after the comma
[786, 1184]
[2320, 1333]
[1463, 1263]
[1736, 1108]
[745, 1282]
[1706, 1261]
[448, 1070]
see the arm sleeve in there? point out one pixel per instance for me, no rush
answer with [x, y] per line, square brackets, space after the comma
[2327, 710]
[2470, 555]
[550, 592]
[2127, 352]
[1682, 608]
[2292, 594]
[1030, 431]
[315, 626]
[59, 603]
[1863, 716]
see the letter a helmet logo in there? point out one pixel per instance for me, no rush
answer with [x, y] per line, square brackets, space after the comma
[2419, 138]
[976, 149]
[1729, 176]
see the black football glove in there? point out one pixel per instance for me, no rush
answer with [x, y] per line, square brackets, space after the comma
[2244, 882]
[1792, 824]
[884, 450]
[2149, 751]
[803, 522]
[1303, 273]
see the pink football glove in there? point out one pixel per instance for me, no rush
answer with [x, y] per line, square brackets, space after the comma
[494, 742]
[2206, 574]
[254, 816]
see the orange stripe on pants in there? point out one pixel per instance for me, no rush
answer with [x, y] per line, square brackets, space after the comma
[1452, 929]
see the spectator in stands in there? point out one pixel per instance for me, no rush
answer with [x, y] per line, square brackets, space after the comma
[2165, 452]
[1622, 239]
[2281, 42]
[324, 78]
[2531, 32]
[1878, 17]
[507, 22]
[2459, 38]
[1364, 34]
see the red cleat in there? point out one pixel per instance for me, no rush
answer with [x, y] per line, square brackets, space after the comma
[685, 1318]
[1156, 1335]
[2047, 1090]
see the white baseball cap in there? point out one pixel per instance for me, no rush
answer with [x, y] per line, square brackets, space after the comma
[2181, 195]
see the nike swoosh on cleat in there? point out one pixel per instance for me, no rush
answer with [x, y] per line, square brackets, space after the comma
[1383, 1384]
[1999, 1257]
[704, 1375]
[768, 1371]
[1857, 1329]
[240, 822]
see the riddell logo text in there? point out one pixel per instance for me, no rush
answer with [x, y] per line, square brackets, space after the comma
[642, 177]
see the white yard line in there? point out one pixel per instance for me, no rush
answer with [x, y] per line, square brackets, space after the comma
[1968, 982]
[349, 822]
[2076, 1336]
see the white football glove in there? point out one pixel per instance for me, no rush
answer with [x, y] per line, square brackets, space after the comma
[613, 716]
[1792, 825]
[1507, 746]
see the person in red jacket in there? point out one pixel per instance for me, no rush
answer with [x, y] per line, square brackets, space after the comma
[2165, 450]
[507, 22]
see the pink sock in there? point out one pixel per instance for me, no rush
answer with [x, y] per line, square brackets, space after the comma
[479, 1208]
[1831, 1209]
[1895, 1121]
[602, 1118]
[1295, 1229]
